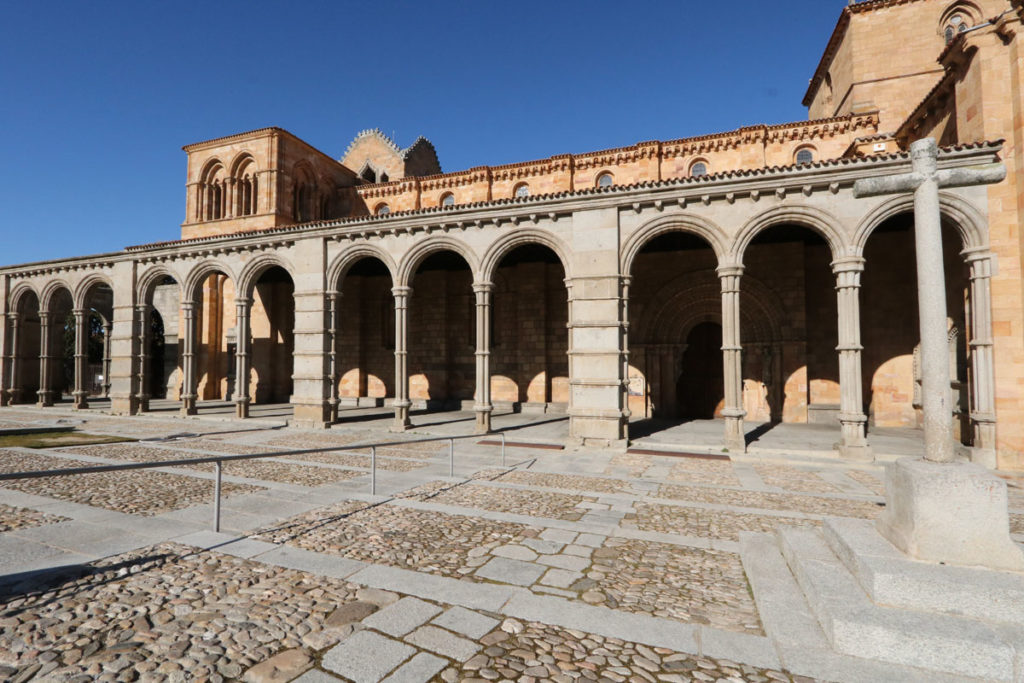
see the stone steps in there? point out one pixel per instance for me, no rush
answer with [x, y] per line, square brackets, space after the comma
[855, 625]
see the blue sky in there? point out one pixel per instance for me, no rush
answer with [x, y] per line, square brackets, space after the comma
[97, 99]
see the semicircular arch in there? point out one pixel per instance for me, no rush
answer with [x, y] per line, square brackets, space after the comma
[51, 290]
[84, 287]
[339, 268]
[18, 292]
[199, 272]
[254, 269]
[801, 215]
[151, 279]
[503, 246]
[694, 225]
[415, 256]
[962, 215]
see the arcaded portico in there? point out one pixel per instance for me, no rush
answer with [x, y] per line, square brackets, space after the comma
[613, 286]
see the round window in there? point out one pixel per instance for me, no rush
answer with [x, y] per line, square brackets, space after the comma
[383, 210]
[605, 180]
[448, 199]
[698, 169]
[522, 190]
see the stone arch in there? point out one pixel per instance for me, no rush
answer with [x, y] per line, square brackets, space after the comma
[199, 272]
[810, 217]
[701, 227]
[88, 282]
[968, 221]
[241, 161]
[251, 272]
[21, 290]
[339, 268]
[210, 170]
[507, 243]
[152, 278]
[50, 291]
[415, 256]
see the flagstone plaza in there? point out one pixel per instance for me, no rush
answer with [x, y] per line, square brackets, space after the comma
[563, 565]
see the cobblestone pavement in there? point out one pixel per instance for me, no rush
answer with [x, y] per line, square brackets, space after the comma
[689, 584]
[693, 521]
[839, 507]
[873, 482]
[1016, 524]
[569, 482]
[793, 479]
[628, 465]
[389, 463]
[429, 449]
[23, 518]
[264, 470]
[166, 613]
[703, 471]
[132, 492]
[515, 501]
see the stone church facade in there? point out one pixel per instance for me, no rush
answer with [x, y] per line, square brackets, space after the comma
[732, 275]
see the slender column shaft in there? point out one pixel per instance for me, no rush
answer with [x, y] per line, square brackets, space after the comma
[624, 345]
[108, 328]
[483, 406]
[931, 297]
[188, 358]
[851, 391]
[81, 358]
[12, 382]
[45, 392]
[402, 402]
[333, 304]
[732, 357]
[983, 399]
[142, 333]
[242, 346]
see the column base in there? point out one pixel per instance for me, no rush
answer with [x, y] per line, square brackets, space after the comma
[402, 421]
[483, 419]
[140, 405]
[80, 402]
[953, 513]
[242, 408]
[188, 405]
[854, 451]
[734, 440]
[45, 399]
[124, 405]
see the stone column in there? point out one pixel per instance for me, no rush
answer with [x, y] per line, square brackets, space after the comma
[854, 444]
[333, 305]
[732, 357]
[45, 392]
[142, 314]
[243, 344]
[188, 359]
[81, 393]
[483, 406]
[402, 402]
[624, 344]
[108, 328]
[983, 399]
[12, 376]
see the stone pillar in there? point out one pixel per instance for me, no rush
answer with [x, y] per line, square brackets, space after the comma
[983, 399]
[45, 392]
[12, 375]
[80, 392]
[142, 315]
[482, 406]
[852, 420]
[108, 328]
[243, 344]
[122, 370]
[310, 375]
[626, 412]
[334, 307]
[188, 359]
[732, 357]
[229, 199]
[402, 402]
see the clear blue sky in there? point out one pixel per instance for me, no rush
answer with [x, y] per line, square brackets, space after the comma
[96, 99]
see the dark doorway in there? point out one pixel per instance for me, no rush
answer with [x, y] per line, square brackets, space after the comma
[700, 387]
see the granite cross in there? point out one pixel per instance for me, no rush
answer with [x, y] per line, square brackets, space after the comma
[924, 181]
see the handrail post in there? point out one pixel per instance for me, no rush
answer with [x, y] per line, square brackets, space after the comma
[502, 448]
[451, 457]
[373, 470]
[216, 497]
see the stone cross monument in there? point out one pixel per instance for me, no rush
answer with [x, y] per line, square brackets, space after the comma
[938, 509]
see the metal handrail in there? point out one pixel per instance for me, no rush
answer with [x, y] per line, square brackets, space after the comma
[218, 459]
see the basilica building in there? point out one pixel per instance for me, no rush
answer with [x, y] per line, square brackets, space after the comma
[734, 276]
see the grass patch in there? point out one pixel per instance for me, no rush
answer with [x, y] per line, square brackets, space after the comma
[53, 439]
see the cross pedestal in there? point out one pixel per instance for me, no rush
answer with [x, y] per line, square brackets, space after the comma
[937, 509]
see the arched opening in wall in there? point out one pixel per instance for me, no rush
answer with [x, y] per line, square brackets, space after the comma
[163, 329]
[789, 329]
[700, 388]
[272, 333]
[98, 304]
[23, 330]
[674, 292]
[442, 334]
[57, 349]
[890, 330]
[365, 336]
[529, 338]
[215, 342]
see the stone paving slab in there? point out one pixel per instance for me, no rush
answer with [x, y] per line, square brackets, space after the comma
[443, 643]
[516, 572]
[366, 657]
[402, 617]
[465, 622]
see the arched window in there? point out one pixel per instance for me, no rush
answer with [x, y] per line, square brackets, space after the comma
[522, 190]
[368, 174]
[382, 209]
[955, 25]
[605, 180]
[212, 195]
[804, 155]
[448, 199]
[699, 169]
